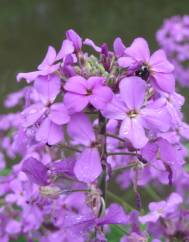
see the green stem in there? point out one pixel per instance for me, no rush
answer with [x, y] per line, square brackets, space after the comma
[115, 137]
[103, 152]
[125, 167]
[121, 153]
[70, 148]
[152, 193]
[117, 199]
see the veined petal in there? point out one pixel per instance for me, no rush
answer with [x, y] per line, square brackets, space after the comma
[159, 63]
[116, 109]
[126, 61]
[49, 58]
[139, 50]
[88, 166]
[66, 49]
[101, 97]
[49, 133]
[166, 82]
[156, 118]
[80, 129]
[28, 76]
[36, 171]
[114, 215]
[76, 84]
[91, 43]
[31, 114]
[132, 91]
[119, 47]
[48, 88]
[59, 114]
[132, 129]
[75, 102]
[75, 38]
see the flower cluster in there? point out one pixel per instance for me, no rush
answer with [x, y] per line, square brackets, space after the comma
[88, 118]
[173, 37]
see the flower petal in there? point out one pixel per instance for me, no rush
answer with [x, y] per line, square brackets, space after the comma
[132, 91]
[88, 166]
[80, 129]
[49, 58]
[66, 49]
[133, 130]
[32, 114]
[159, 63]
[59, 114]
[75, 102]
[166, 82]
[116, 109]
[139, 50]
[101, 97]
[48, 88]
[49, 133]
[76, 84]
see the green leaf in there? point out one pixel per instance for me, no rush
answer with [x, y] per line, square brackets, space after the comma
[116, 233]
[5, 172]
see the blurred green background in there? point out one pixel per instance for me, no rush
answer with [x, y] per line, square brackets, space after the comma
[27, 27]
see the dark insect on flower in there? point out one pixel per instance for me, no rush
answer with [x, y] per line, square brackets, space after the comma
[143, 72]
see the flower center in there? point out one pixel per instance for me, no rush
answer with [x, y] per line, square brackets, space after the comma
[89, 92]
[132, 113]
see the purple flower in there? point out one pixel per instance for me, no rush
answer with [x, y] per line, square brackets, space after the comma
[137, 116]
[88, 165]
[156, 67]
[81, 92]
[48, 65]
[76, 40]
[161, 209]
[35, 171]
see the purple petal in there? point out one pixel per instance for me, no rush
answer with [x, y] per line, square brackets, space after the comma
[125, 61]
[132, 129]
[32, 114]
[139, 50]
[66, 49]
[74, 38]
[75, 102]
[13, 227]
[95, 81]
[159, 62]
[28, 76]
[101, 97]
[76, 84]
[49, 133]
[114, 215]
[174, 200]
[116, 109]
[119, 47]
[132, 91]
[48, 88]
[80, 129]
[59, 114]
[91, 43]
[151, 217]
[166, 150]
[49, 58]
[63, 167]
[88, 166]
[36, 171]
[157, 118]
[166, 82]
